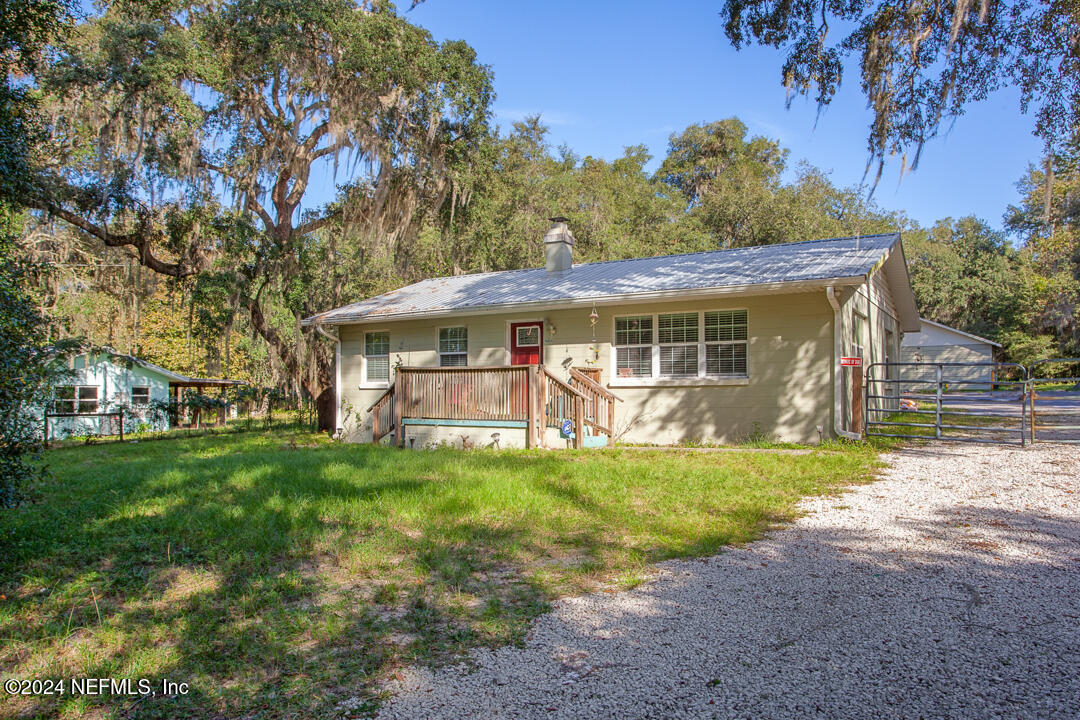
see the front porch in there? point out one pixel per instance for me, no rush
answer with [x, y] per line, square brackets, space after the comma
[525, 398]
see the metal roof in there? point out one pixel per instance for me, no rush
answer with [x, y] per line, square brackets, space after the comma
[808, 262]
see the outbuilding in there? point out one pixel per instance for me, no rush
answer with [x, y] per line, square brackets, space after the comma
[102, 382]
[938, 343]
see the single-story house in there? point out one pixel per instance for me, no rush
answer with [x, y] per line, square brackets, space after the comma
[713, 346]
[103, 381]
[937, 343]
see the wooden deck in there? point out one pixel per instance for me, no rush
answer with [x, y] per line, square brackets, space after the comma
[514, 394]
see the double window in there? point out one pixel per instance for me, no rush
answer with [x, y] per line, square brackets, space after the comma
[76, 399]
[377, 357]
[682, 345]
[453, 347]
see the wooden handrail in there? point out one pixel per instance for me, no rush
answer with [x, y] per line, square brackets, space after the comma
[593, 385]
[382, 397]
[566, 386]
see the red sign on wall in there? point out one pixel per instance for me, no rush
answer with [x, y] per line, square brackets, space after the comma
[851, 362]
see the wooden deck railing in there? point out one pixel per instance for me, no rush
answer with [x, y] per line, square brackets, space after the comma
[599, 403]
[516, 393]
[466, 393]
[561, 402]
[382, 415]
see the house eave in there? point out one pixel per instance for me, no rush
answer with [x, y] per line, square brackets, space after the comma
[604, 300]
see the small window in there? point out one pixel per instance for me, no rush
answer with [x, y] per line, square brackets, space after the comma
[725, 343]
[377, 357]
[140, 395]
[88, 399]
[454, 346]
[528, 336]
[66, 399]
[858, 323]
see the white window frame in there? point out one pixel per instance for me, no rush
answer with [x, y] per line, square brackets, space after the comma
[140, 387]
[719, 343]
[364, 382]
[438, 345]
[658, 380]
[654, 351]
[696, 344]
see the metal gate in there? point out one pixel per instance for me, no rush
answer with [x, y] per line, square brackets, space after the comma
[1054, 400]
[963, 402]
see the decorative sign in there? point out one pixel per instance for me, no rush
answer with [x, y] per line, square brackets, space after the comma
[851, 362]
[567, 427]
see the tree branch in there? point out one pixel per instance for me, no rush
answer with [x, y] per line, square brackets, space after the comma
[141, 239]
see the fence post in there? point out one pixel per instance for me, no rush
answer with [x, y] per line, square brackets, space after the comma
[46, 413]
[1023, 408]
[121, 424]
[1032, 400]
[856, 400]
[937, 412]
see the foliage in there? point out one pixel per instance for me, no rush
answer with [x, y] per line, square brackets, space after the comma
[921, 63]
[1047, 220]
[25, 27]
[24, 377]
[966, 275]
[283, 582]
[159, 107]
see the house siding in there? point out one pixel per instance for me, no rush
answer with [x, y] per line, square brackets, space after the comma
[788, 394]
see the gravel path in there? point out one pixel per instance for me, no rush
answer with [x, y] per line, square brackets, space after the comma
[949, 589]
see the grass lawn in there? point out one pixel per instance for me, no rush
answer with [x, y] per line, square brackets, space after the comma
[284, 576]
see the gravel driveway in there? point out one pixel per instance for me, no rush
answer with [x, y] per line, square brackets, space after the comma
[950, 588]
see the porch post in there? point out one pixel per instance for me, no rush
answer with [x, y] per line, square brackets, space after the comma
[579, 422]
[611, 422]
[530, 433]
[399, 410]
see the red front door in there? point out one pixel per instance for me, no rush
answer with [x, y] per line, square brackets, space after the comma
[526, 341]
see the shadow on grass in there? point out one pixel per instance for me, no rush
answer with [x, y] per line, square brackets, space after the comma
[281, 582]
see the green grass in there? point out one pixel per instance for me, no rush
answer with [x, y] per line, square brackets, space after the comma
[282, 576]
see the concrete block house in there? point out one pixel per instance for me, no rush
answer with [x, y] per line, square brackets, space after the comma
[711, 346]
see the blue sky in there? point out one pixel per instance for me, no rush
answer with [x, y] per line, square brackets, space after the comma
[605, 75]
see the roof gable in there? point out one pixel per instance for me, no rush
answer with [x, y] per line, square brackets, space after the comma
[949, 330]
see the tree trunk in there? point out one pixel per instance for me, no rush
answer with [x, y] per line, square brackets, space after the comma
[324, 405]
